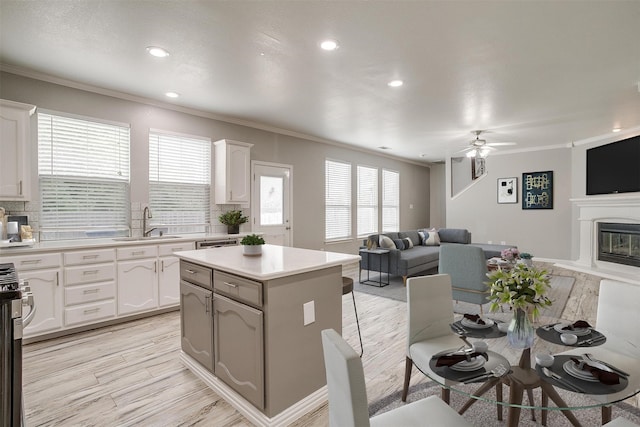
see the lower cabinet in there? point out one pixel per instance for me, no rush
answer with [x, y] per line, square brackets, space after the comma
[239, 348]
[137, 286]
[196, 323]
[47, 295]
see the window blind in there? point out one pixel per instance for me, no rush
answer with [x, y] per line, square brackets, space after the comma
[179, 182]
[390, 201]
[83, 171]
[337, 200]
[367, 200]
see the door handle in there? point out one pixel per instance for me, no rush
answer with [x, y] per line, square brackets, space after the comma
[287, 228]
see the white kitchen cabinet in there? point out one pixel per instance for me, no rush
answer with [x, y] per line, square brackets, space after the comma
[137, 286]
[15, 126]
[232, 172]
[169, 274]
[43, 272]
[89, 286]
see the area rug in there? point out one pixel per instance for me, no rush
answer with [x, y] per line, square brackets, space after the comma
[484, 413]
[560, 290]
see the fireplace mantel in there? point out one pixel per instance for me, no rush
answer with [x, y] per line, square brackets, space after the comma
[610, 208]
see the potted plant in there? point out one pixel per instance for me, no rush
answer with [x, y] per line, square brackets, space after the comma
[526, 259]
[523, 289]
[233, 219]
[252, 244]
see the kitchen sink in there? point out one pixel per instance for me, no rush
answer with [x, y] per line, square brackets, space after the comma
[135, 239]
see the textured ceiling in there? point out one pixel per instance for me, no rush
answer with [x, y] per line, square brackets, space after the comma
[533, 73]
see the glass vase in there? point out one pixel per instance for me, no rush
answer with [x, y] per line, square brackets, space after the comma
[521, 332]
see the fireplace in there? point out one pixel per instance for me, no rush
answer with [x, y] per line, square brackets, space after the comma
[619, 243]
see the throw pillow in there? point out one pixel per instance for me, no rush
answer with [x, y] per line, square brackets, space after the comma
[399, 244]
[408, 244]
[423, 236]
[432, 238]
[372, 242]
[386, 242]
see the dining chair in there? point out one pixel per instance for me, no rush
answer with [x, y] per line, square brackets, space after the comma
[348, 404]
[467, 266]
[618, 312]
[429, 314]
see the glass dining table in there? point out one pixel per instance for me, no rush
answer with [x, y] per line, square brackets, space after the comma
[601, 367]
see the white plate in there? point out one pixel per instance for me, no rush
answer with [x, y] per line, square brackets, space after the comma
[570, 368]
[579, 332]
[473, 325]
[469, 365]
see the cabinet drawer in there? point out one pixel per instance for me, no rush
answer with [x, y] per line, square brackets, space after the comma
[196, 274]
[170, 248]
[89, 257]
[238, 288]
[89, 274]
[89, 293]
[88, 313]
[135, 252]
[33, 262]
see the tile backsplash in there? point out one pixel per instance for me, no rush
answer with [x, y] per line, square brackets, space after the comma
[31, 209]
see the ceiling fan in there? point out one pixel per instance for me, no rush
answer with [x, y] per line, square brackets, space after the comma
[480, 147]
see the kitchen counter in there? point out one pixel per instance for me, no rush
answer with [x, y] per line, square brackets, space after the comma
[251, 326]
[63, 245]
[275, 261]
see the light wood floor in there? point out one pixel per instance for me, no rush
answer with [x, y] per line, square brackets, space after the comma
[130, 374]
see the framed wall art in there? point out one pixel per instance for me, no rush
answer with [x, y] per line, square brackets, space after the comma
[508, 190]
[537, 190]
[477, 167]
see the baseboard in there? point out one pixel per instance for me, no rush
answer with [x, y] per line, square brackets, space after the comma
[254, 415]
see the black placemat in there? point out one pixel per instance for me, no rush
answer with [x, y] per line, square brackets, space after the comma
[588, 387]
[553, 336]
[491, 332]
[494, 360]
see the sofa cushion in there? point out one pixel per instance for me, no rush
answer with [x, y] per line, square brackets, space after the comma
[417, 256]
[386, 242]
[430, 237]
[413, 235]
[399, 244]
[454, 235]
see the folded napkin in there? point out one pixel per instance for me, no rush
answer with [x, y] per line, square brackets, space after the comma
[580, 324]
[474, 318]
[605, 377]
[453, 358]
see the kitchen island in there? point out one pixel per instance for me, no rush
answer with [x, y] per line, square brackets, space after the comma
[250, 326]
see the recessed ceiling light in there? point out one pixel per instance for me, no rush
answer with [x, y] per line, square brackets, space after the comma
[395, 83]
[158, 52]
[616, 129]
[329, 45]
[172, 95]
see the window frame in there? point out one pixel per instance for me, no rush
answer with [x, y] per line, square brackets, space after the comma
[348, 206]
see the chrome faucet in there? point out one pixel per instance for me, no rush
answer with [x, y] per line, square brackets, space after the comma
[146, 214]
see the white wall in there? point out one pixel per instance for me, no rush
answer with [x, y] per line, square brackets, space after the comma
[543, 233]
[306, 156]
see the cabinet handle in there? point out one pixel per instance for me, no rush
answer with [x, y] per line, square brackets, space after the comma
[92, 310]
[176, 249]
[30, 261]
[57, 279]
[190, 271]
[206, 303]
[155, 266]
[230, 195]
[162, 266]
[20, 187]
[91, 291]
[231, 285]
[137, 253]
[90, 272]
[89, 256]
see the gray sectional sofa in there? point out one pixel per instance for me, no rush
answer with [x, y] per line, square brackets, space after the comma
[419, 258]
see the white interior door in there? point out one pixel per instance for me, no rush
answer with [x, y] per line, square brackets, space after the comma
[271, 202]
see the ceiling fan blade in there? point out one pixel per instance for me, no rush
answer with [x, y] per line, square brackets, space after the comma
[500, 144]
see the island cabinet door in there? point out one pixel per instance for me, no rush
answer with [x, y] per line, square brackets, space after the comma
[196, 323]
[239, 350]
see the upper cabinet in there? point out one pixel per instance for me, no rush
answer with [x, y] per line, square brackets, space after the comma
[15, 126]
[232, 172]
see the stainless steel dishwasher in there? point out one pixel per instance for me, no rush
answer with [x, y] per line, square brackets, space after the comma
[216, 243]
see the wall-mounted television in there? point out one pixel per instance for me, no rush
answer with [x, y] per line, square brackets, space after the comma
[614, 168]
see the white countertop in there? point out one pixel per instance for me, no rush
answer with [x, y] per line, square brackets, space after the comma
[62, 245]
[275, 261]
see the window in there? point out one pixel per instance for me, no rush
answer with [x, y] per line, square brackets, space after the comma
[179, 182]
[390, 201]
[367, 200]
[83, 170]
[337, 200]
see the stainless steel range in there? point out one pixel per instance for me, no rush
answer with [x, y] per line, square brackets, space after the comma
[13, 295]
